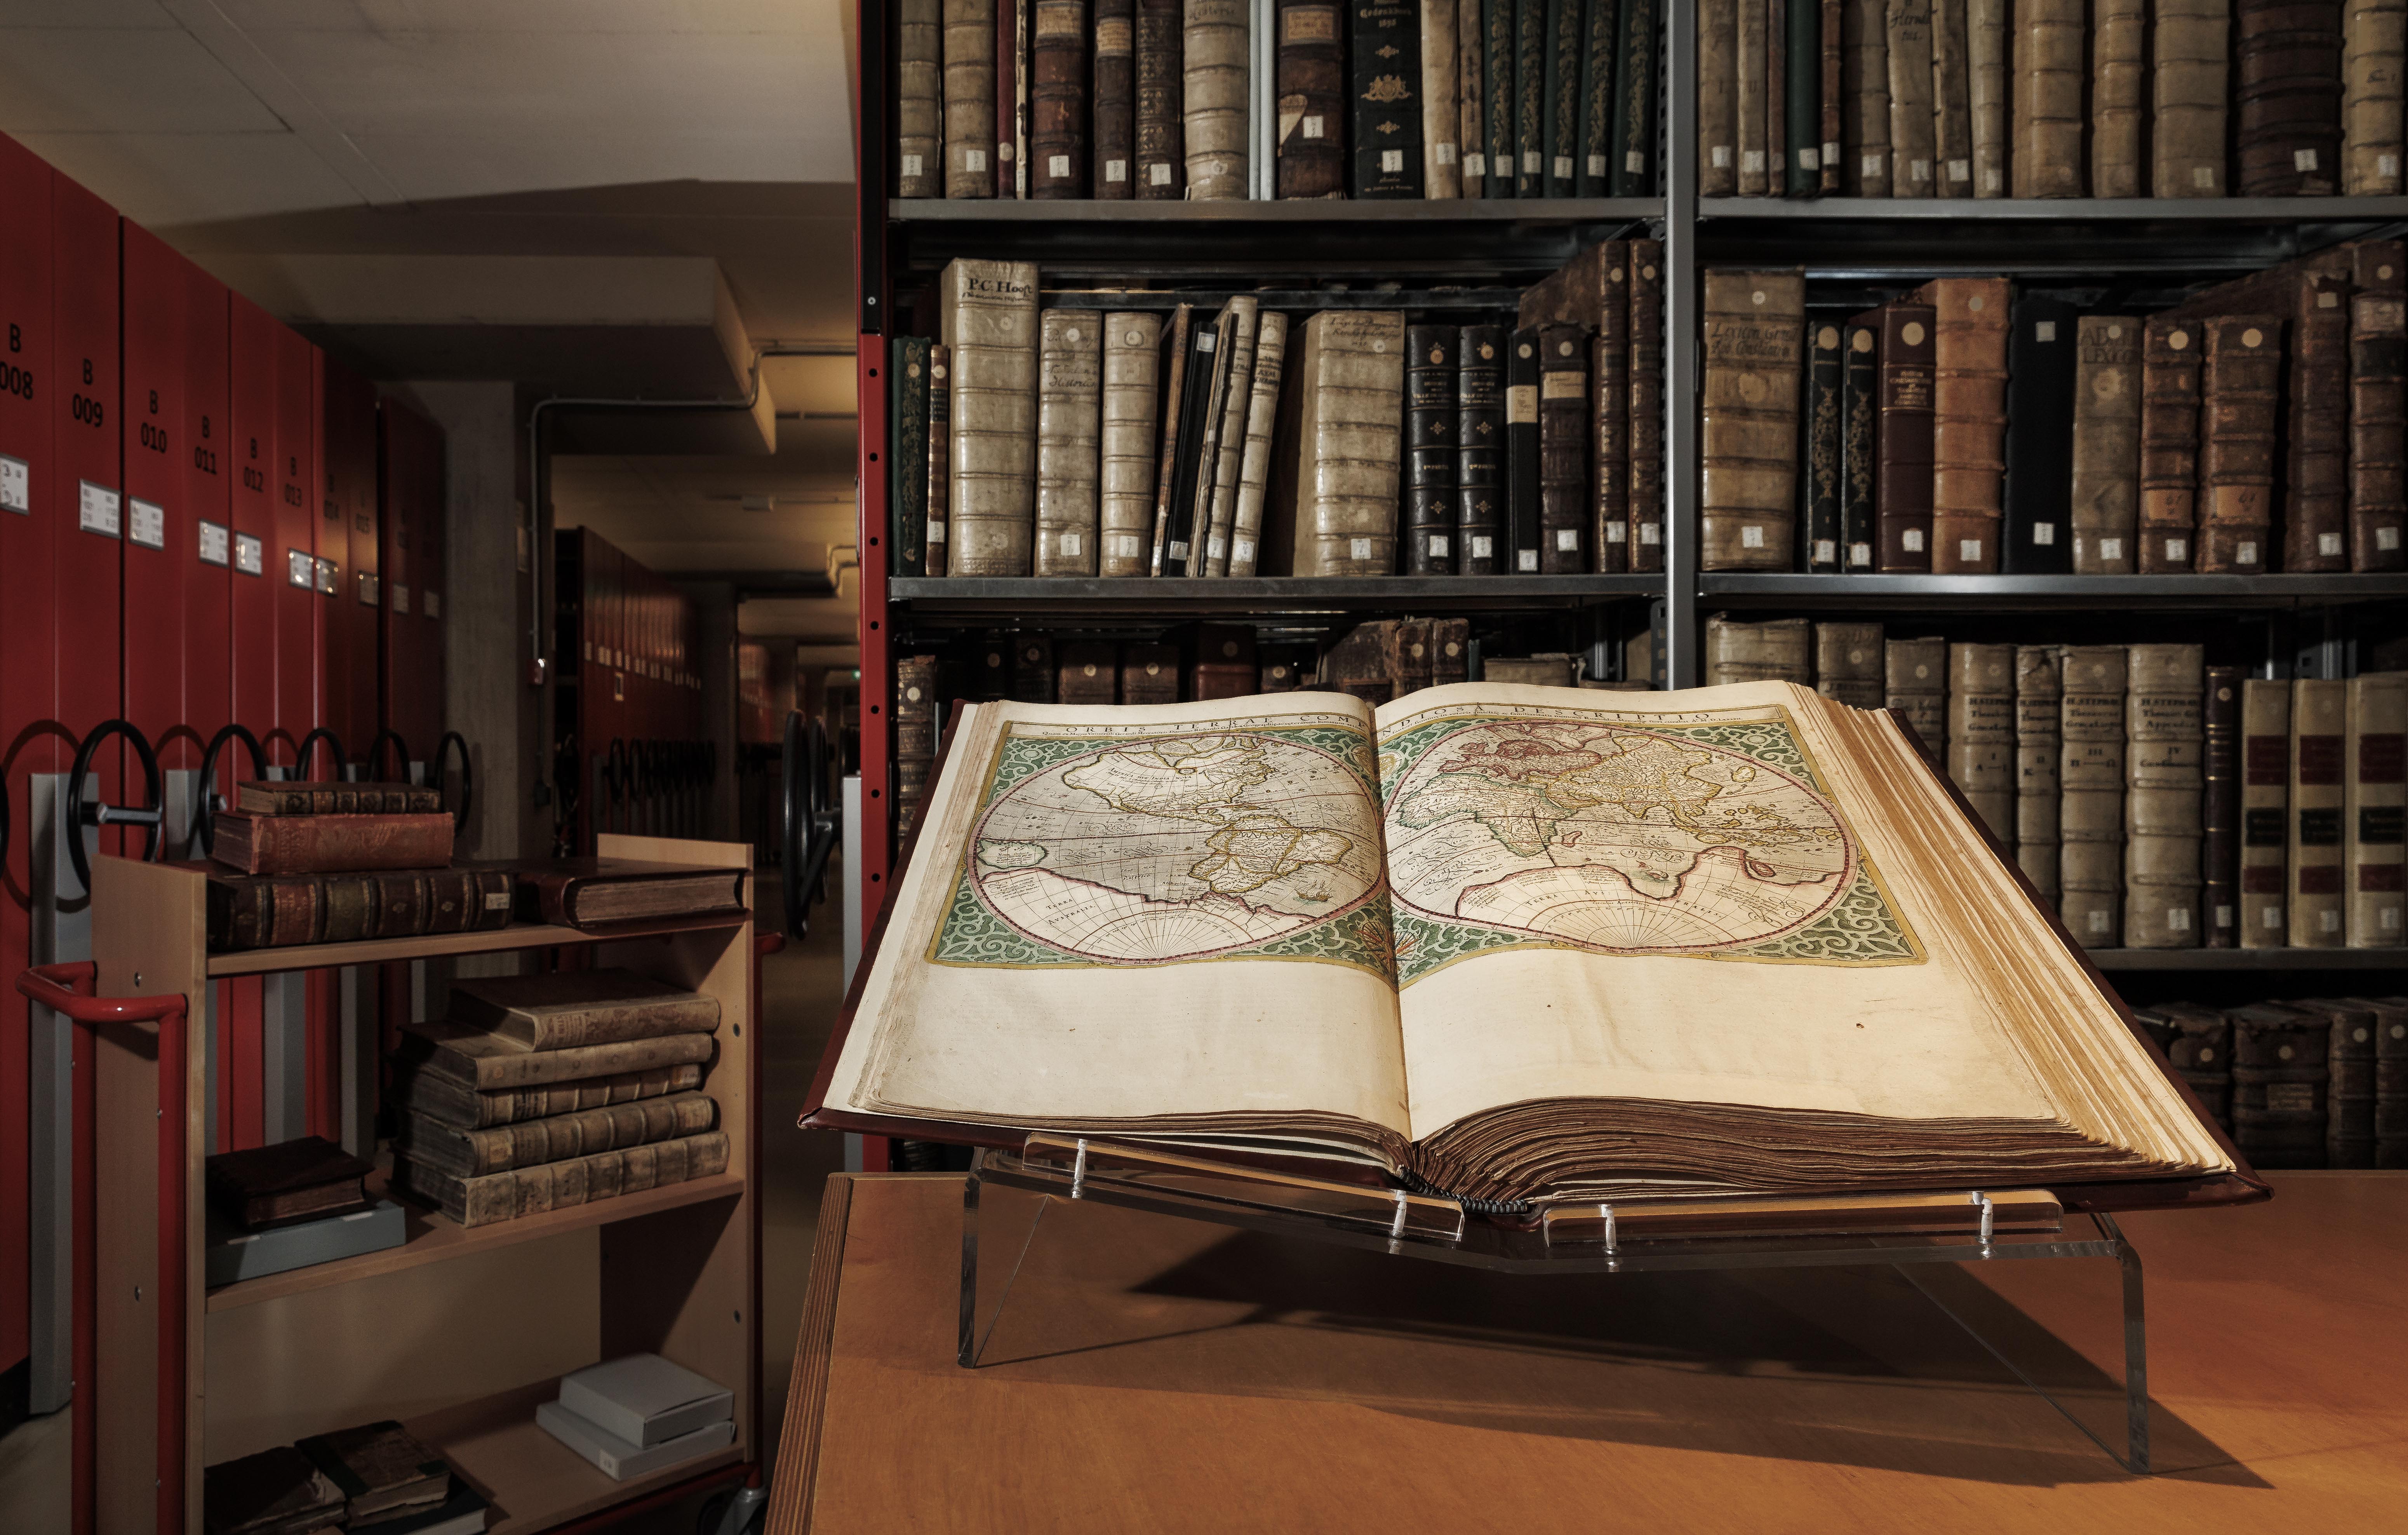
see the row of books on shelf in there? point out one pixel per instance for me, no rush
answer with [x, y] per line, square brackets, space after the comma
[2153, 800]
[1213, 99]
[1965, 427]
[2049, 99]
[2317, 1083]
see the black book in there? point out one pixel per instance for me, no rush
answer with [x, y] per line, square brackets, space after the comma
[1430, 425]
[1384, 60]
[1566, 30]
[1032, 667]
[1819, 486]
[2039, 493]
[1195, 403]
[1499, 117]
[1522, 449]
[1634, 102]
[1859, 447]
[1803, 99]
[1529, 97]
[1480, 450]
[1593, 171]
[906, 457]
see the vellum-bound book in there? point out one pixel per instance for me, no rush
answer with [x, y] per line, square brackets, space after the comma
[1506, 943]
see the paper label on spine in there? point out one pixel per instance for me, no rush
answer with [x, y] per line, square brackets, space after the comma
[1115, 170]
[1912, 540]
[1960, 170]
[2387, 538]
[1443, 153]
[1057, 165]
[1872, 164]
[1751, 537]
[1860, 554]
[96, 508]
[16, 485]
[1158, 174]
[1721, 155]
[1969, 550]
[1358, 548]
[1635, 163]
[148, 525]
[1918, 170]
[1597, 164]
[1521, 404]
[2202, 176]
[1567, 385]
[2111, 549]
[910, 164]
[1563, 167]
[249, 555]
[1308, 24]
[974, 160]
[1239, 549]
[1566, 538]
[936, 530]
[1438, 546]
[1482, 546]
[1530, 162]
[1392, 160]
[2243, 554]
[1475, 164]
[1071, 545]
[2304, 159]
[2328, 543]
[2177, 549]
[1827, 552]
[1810, 159]
[1311, 127]
[2045, 532]
[1750, 162]
[1649, 534]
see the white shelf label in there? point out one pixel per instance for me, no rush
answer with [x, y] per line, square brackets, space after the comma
[300, 569]
[249, 555]
[215, 543]
[150, 524]
[97, 510]
[16, 485]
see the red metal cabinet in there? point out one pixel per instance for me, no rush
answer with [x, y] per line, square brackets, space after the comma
[159, 532]
[350, 473]
[87, 485]
[292, 571]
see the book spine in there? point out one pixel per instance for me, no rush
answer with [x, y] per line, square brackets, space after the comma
[1912, 125]
[1821, 416]
[2186, 115]
[2039, 741]
[1355, 375]
[1150, 674]
[1859, 444]
[1848, 664]
[1115, 101]
[1070, 381]
[1992, 87]
[1747, 95]
[1776, 96]
[2289, 98]
[2091, 811]
[1032, 670]
[1952, 97]
[1086, 673]
[1981, 734]
[2265, 813]
[585, 1180]
[281, 799]
[1969, 421]
[1383, 60]
[1593, 167]
[1522, 449]
[1182, 453]
[1229, 443]
[989, 327]
[2170, 360]
[1441, 104]
[2048, 124]
[2219, 811]
[940, 457]
[1865, 74]
[451, 1101]
[1754, 325]
[2378, 432]
[1915, 686]
[1058, 94]
[1231, 329]
[970, 99]
[587, 1132]
[2319, 741]
[1902, 484]
[1634, 101]
[1500, 55]
[1132, 360]
[2374, 58]
[1179, 343]
[1471, 94]
[919, 98]
[1776, 651]
[915, 736]
[1161, 76]
[1480, 451]
[2373, 796]
[1430, 449]
[1212, 102]
[1566, 438]
[906, 369]
[319, 844]
[1529, 97]
[2038, 487]
[1312, 105]
[1011, 86]
[1833, 32]
[1646, 406]
[2240, 382]
[2106, 443]
[2119, 48]
[1254, 472]
[1611, 368]
[2316, 478]
[2163, 797]
[1559, 106]
[1802, 93]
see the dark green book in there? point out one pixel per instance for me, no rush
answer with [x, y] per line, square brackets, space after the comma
[1560, 128]
[1592, 176]
[1819, 420]
[907, 456]
[1384, 56]
[1530, 98]
[1634, 102]
[1859, 442]
[1497, 62]
[1804, 97]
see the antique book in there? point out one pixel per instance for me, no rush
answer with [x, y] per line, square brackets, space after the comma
[457, 1102]
[1431, 419]
[320, 844]
[280, 910]
[2373, 36]
[2187, 97]
[2378, 431]
[1032, 669]
[2288, 97]
[1383, 43]
[1779, 650]
[1225, 661]
[1254, 464]
[915, 733]
[907, 366]
[2279, 1084]
[2090, 804]
[1521, 452]
[1907, 23]
[2219, 812]
[2351, 1092]
[2118, 70]
[1183, 448]
[491, 1062]
[2315, 441]
[1755, 336]
[1161, 82]
[1058, 95]
[1635, 107]
[1363, 661]
[1233, 332]
[595, 892]
[1865, 84]
[1012, 19]
[1819, 492]
[2106, 444]
[968, 55]
[1831, 36]
[1335, 488]
[1149, 674]
[1609, 370]
[989, 310]
[1859, 447]
[2374, 757]
[562, 1186]
[1312, 100]
[1178, 345]
[1601, 37]
[2040, 691]
[1450, 650]
[1556, 669]
[1747, 95]
[1113, 154]
[571, 1008]
[1559, 104]
[2051, 38]
[1988, 50]
[1951, 99]
[2391, 1080]
[1452, 1052]
[941, 458]
[1848, 664]
[2170, 366]
[276, 1492]
[1441, 105]
[2037, 538]
[2265, 813]
[1239, 325]
[1480, 453]
[1566, 445]
[1776, 96]
[2162, 800]
[1968, 421]
[1915, 686]
[382, 1469]
[1132, 367]
[1529, 97]
[471, 1152]
[1086, 671]
[285, 798]
[2240, 382]
[1982, 733]
[2319, 740]
[1472, 91]
[1213, 107]
[1500, 111]
[1646, 405]
[2201, 1053]
[297, 1180]
[1903, 433]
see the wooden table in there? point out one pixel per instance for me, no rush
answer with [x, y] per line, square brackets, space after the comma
[1152, 1374]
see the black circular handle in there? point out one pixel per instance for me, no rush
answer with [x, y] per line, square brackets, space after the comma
[614, 771]
[206, 802]
[7, 822]
[148, 815]
[400, 756]
[308, 748]
[451, 739]
[812, 824]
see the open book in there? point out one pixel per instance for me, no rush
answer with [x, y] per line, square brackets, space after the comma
[1515, 944]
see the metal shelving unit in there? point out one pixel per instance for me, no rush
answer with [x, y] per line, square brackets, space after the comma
[2013, 594]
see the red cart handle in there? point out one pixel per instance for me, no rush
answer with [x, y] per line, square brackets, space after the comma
[67, 988]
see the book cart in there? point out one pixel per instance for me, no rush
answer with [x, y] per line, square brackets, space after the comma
[458, 1332]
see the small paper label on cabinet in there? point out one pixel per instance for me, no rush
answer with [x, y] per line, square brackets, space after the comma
[213, 543]
[249, 555]
[16, 485]
[96, 508]
[300, 571]
[400, 598]
[148, 525]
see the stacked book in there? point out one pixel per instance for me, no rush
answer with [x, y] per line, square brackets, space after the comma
[2155, 801]
[2259, 425]
[337, 863]
[291, 1205]
[1961, 98]
[376, 1479]
[1211, 99]
[639, 1413]
[2318, 1082]
[1247, 442]
[545, 1092]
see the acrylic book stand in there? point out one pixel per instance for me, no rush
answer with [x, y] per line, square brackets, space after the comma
[1902, 1231]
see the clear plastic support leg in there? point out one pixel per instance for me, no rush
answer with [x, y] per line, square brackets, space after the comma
[972, 1341]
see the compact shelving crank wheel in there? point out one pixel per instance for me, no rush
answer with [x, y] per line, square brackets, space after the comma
[207, 802]
[453, 740]
[149, 815]
[813, 821]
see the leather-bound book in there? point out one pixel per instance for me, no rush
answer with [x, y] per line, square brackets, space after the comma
[1915, 686]
[919, 98]
[1776, 96]
[1907, 23]
[276, 1492]
[2201, 1054]
[279, 911]
[1161, 82]
[1384, 51]
[2169, 363]
[1011, 27]
[939, 498]
[1864, 74]
[321, 844]
[1747, 95]
[1819, 494]
[490, 1063]
[2390, 1079]
[1646, 405]
[2265, 813]
[1500, 111]
[989, 310]
[1611, 368]
[1113, 160]
[1471, 96]
[2040, 695]
[2374, 758]
[1226, 666]
[1337, 487]
[1058, 92]
[562, 1186]
[1284, 672]
[1982, 733]
[1185, 451]
[2090, 807]
[2163, 794]
[1217, 512]
[1450, 650]
[1831, 34]
[2118, 70]
[1755, 334]
[2279, 1083]
[1149, 674]
[269, 1186]
[2351, 1094]
[1086, 671]
[1951, 99]
[2220, 813]
[1559, 104]
[429, 1095]
[1529, 97]
[1566, 437]
[1848, 664]
[2106, 443]
[2038, 537]
[1591, 289]
[906, 453]
[1312, 101]
[2374, 58]
[2378, 432]
[1032, 669]
[2048, 121]
[1634, 106]
[2319, 751]
[1442, 100]
[970, 99]
[1600, 35]
[1179, 348]
[567, 1009]
[989, 667]
[1521, 451]
[1480, 450]
[1968, 421]
[1254, 464]
[2288, 94]
[1903, 436]
[2240, 384]
[1860, 446]
[471, 1152]
[1070, 401]
[1132, 365]
[2187, 97]
[915, 733]
[1803, 93]
[1988, 50]
[2316, 478]
[285, 798]
[1409, 656]
[1779, 650]
[1432, 451]
[1212, 102]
